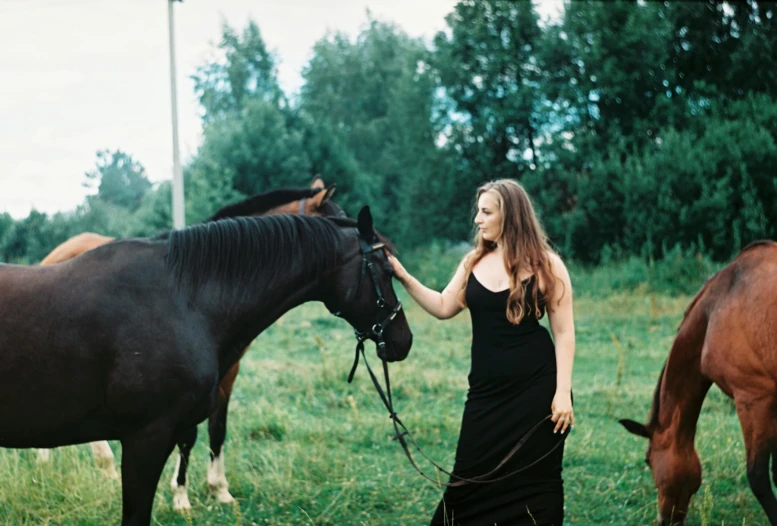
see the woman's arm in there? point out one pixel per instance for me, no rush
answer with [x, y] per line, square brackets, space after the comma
[441, 305]
[562, 324]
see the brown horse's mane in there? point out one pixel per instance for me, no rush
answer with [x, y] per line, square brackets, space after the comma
[653, 416]
[260, 203]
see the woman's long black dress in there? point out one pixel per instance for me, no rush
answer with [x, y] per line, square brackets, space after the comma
[511, 386]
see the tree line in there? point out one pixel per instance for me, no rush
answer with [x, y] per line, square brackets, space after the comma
[639, 128]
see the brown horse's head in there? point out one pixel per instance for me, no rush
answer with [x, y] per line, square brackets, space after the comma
[676, 472]
[317, 204]
[313, 201]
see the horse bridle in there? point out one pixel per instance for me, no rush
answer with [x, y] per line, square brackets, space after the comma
[374, 333]
[401, 433]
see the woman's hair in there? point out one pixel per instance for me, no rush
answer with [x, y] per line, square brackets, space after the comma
[524, 247]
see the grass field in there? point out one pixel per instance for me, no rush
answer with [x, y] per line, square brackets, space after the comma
[305, 447]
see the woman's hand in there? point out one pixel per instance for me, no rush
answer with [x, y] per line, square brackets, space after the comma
[399, 271]
[561, 407]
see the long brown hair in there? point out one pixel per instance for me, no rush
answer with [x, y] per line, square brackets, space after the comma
[524, 247]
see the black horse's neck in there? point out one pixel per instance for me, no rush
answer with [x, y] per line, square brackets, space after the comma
[242, 275]
[247, 319]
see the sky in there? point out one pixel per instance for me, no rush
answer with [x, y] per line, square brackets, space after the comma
[78, 76]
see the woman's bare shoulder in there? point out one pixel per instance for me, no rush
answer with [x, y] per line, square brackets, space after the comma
[554, 259]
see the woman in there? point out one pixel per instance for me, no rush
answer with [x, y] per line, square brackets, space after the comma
[518, 377]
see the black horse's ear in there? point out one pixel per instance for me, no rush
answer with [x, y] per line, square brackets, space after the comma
[635, 428]
[364, 223]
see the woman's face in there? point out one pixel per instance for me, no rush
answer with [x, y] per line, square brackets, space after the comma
[489, 218]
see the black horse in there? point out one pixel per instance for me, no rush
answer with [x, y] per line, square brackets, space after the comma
[316, 201]
[129, 341]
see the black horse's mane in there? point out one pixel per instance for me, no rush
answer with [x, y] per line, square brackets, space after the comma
[240, 251]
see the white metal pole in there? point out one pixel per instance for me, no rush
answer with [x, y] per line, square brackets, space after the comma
[179, 217]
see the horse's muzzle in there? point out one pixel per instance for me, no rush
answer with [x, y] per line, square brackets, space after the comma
[387, 352]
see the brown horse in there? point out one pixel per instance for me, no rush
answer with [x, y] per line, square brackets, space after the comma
[129, 341]
[315, 201]
[727, 337]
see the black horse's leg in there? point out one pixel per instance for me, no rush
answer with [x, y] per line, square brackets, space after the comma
[178, 483]
[217, 431]
[143, 458]
[758, 430]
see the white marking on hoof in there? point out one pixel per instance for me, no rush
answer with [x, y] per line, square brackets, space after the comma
[180, 495]
[103, 457]
[44, 455]
[217, 480]
[181, 499]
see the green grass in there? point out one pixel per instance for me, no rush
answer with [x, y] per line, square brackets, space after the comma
[305, 447]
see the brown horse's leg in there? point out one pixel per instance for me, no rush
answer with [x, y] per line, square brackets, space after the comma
[103, 457]
[185, 444]
[143, 458]
[217, 431]
[757, 419]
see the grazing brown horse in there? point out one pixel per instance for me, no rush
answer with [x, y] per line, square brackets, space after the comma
[130, 340]
[728, 336]
[315, 201]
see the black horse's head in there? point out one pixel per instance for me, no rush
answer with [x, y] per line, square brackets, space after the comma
[362, 293]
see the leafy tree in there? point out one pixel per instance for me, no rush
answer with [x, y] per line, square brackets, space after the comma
[22, 242]
[248, 153]
[244, 70]
[488, 69]
[251, 142]
[371, 101]
[119, 180]
[727, 45]
[609, 78]
[155, 213]
[6, 224]
[712, 190]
